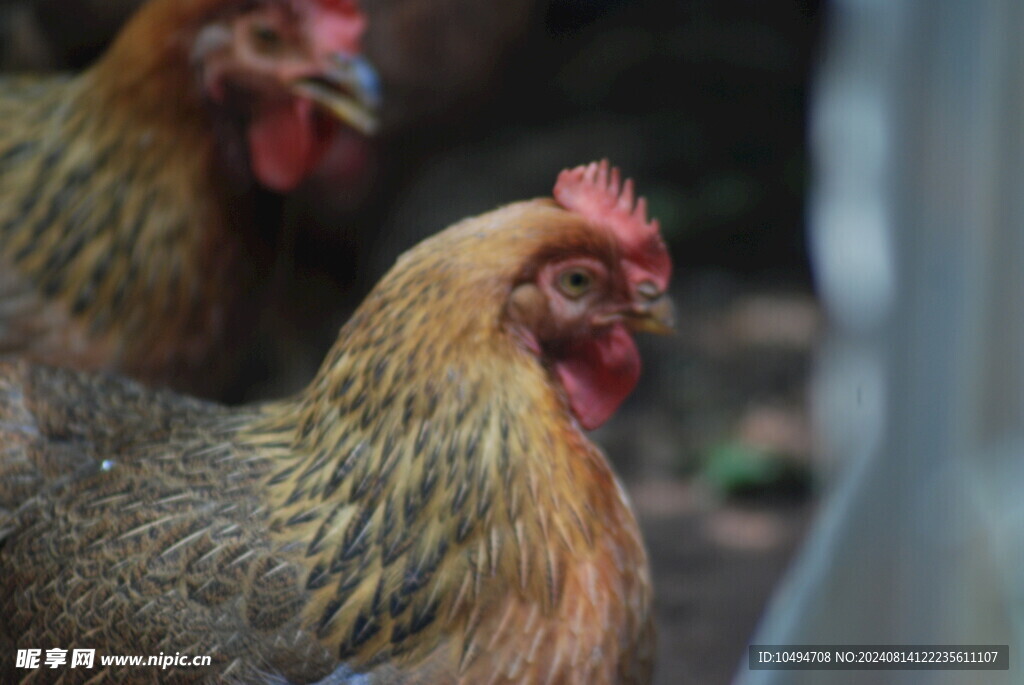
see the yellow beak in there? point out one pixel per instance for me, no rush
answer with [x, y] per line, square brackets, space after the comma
[349, 89]
[656, 316]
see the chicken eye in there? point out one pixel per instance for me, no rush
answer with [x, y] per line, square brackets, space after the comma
[576, 282]
[266, 37]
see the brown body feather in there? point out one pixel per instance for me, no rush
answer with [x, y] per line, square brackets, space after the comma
[426, 511]
[116, 245]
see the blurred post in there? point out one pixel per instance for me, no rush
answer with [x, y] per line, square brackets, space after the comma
[917, 226]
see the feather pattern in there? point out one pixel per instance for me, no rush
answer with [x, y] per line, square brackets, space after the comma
[114, 244]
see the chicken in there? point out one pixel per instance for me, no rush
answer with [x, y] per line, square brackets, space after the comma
[427, 510]
[138, 200]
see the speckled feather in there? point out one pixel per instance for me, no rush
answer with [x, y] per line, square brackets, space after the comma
[427, 511]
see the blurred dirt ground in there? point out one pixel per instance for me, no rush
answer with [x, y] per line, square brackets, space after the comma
[714, 569]
[703, 102]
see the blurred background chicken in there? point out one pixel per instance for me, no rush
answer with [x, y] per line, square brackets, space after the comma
[139, 200]
[427, 510]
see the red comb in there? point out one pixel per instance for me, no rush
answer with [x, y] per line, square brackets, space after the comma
[594, 192]
[337, 26]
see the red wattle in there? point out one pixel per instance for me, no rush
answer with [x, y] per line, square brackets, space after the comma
[283, 147]
[599, 374]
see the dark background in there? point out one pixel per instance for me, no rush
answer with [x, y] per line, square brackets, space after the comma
[704, 104]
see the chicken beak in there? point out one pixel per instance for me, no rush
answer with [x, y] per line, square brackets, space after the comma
[651, 311]
[653, 316]
[348, 88]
